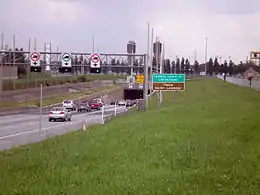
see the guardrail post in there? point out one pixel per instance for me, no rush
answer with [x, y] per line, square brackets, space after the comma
[115, 109]
[102, 113]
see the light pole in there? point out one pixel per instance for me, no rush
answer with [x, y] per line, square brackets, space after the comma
[206, 53]
[1, 75]
[147, 62]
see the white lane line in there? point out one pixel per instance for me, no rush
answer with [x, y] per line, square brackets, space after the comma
[51, 127]
[36, 130]
[43, 129]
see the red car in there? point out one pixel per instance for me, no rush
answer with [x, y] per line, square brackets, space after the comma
[95, 104]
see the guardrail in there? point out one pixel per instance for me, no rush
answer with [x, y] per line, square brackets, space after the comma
[255, 83]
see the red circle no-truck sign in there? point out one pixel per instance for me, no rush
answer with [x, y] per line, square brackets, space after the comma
[35, 56]
[95, 58]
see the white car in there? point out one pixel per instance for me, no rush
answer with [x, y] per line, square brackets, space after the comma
[121, 103]
[57, 113]
[69, 104]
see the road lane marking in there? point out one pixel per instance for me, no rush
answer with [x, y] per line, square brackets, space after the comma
[52, 127]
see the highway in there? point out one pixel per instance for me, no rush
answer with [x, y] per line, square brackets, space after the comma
[22, 129]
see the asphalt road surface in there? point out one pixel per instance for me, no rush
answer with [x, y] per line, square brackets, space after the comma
[25, 128]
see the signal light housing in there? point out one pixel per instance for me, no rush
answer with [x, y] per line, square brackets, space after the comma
[35, 69]
[64, 69]
[95, 70]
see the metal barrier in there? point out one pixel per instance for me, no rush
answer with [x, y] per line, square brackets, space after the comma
[255, 83]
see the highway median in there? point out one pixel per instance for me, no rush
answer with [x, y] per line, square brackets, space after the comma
[205, 140]
[55, 100]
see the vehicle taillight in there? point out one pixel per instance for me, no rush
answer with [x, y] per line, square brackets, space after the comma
[62, 113]
[50, 113]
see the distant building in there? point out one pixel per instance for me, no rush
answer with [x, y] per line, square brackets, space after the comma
[157, 49]
[131, 49]
[252, 71]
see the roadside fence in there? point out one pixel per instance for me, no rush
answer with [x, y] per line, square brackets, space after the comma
[255, 83]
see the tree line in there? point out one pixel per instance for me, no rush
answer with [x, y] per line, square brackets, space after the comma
[182, 65]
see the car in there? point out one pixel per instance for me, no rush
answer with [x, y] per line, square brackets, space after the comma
[69, 104]
[130, 103]
[57, 113]
[121, 103]
[113, 102]
[94, 104]
[84, 107]
[99, 101]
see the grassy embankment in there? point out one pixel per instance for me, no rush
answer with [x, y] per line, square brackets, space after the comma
[58, 98]
[37, 79]
[206, 143]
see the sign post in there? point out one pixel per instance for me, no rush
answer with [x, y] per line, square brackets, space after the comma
[139, 80]
[168, 82]
[65, 63]
[95, 63]
[35, 65]
[131, 81]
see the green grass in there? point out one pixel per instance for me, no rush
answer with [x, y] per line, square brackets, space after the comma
[57, 98]
[38, 78]
[205, 141]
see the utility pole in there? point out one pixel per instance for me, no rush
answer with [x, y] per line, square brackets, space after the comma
[195, 56]
[151, 64]
[161, 70]
[158, 68]
[2, 41]
[93, 43]
[14, 49]
[206, 53]
[35, 44]
[146, 74]
[1, 75]
[28, 66]
[40, 122]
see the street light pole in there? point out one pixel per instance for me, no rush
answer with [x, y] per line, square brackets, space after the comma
[146, 74]
[40, 124]
[206, 53]
[1, 76]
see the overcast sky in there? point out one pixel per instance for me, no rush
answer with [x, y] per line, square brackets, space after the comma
[232, 26]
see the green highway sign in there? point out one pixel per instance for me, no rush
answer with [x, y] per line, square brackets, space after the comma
[168, 82]
[168, 78]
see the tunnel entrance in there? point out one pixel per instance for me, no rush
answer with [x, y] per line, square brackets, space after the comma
[133, 94]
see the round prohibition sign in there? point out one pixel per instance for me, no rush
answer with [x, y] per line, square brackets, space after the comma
[95, 58]
[66, 57]
[35, 56]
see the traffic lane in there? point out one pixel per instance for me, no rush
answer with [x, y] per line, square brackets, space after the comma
[36, 135]
[13, 140]
[13, 119]
[24, 125]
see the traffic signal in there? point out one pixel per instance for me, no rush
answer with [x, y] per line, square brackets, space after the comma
[35, 69]
[64, 69]
[95, 70]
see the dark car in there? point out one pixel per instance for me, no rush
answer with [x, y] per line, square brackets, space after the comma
[84, 107]
[129, 103]
[113, 102]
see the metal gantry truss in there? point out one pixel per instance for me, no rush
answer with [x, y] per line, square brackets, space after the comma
[82, 59]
